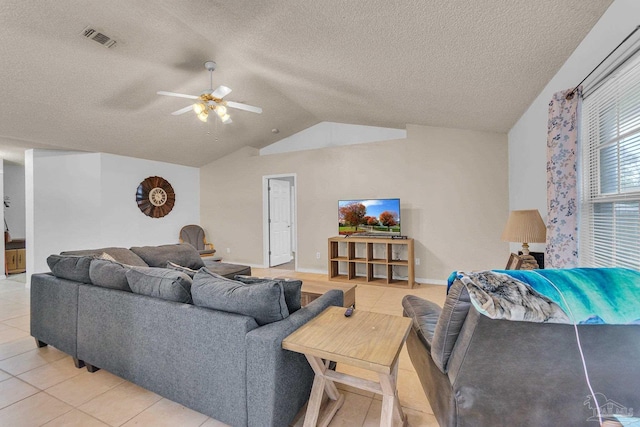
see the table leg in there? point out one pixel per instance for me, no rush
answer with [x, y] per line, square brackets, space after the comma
[390, 402]
[320, 385]
[315, 400]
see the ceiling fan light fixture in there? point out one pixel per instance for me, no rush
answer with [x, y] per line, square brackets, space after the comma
[199, 107]
[212, 100]
[221, 110]
[203, 116]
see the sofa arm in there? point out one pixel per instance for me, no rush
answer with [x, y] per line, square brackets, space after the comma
[279, 381]
[54, 311]
[424, 315]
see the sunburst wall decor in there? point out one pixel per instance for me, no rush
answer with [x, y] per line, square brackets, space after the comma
[155, 197]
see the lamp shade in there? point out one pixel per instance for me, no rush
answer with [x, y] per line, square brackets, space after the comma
[524, 226]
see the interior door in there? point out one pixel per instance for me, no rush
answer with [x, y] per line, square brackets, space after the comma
[279, 222]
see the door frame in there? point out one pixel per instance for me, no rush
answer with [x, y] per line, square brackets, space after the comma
[265, 217]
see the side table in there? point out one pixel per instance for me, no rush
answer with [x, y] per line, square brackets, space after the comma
[366, 340]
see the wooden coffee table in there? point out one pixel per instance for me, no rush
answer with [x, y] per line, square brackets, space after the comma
[312, 290]
[366, 340]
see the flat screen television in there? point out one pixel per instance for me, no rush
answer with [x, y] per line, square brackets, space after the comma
[369, 217]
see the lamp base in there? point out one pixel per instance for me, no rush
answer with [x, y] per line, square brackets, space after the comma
[528, 262]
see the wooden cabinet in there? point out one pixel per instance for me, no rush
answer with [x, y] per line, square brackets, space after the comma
[372, 260]
[15, 260]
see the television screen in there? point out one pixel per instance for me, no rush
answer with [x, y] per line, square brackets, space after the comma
[369, 217]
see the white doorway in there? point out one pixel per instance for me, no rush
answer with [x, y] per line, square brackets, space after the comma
[279, 197]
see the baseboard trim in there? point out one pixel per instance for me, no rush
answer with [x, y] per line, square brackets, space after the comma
[431, 282]
[312, 270]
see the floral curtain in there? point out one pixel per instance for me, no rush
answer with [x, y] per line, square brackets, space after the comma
[562, 182]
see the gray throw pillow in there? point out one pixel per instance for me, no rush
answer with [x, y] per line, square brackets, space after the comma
[109, 274]
[70, 267]
[292, 289]
[160, 283]
[264, 302]
[182, 254]
[188, 271]
[121, 255]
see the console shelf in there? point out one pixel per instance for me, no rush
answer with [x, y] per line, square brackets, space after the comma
[372, 260]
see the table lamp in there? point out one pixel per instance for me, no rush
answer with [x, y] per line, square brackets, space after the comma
[525, 226]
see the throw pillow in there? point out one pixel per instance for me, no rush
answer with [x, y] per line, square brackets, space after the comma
[121, 255]
[188, 271]
[107, 257]
[160, 283]
[292, 289]
[109, 274]
[182, 254]
[264, 302]
[70, 267]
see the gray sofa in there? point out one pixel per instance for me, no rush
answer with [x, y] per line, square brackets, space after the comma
[222, 364]
[481, 371]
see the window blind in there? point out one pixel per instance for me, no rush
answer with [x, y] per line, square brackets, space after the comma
[609, 232]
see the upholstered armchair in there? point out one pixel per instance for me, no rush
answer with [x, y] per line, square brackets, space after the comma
[504, 363]
[194, 235]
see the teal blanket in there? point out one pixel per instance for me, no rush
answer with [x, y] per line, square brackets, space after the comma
[591, 295]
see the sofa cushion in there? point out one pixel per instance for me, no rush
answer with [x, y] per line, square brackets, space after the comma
[121, 255]
[160, 283]
[109, 274]
[181, 253]
[186, 270]
[70, 267]
[264, 302]
[292, 289]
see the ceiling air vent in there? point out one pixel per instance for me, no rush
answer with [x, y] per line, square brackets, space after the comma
[97, 36]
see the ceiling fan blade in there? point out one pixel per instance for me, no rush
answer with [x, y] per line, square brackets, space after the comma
[221, 92]
[245, 107]
[177, 95]
[182, 110]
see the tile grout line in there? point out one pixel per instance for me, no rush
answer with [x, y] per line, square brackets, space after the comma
[26, 397]
[64, 403]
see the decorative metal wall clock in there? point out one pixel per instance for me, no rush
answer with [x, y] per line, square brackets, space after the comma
[155, 197]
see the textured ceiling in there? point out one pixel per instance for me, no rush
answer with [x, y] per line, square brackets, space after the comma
[456, 63]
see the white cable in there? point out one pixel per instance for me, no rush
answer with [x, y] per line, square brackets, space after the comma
[584, 363]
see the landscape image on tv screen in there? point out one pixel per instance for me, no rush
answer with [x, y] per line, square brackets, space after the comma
[369, 216]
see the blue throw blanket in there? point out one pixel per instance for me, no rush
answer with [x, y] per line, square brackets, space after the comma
[591, 295]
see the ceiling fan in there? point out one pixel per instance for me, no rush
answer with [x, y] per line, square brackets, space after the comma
[211, 100]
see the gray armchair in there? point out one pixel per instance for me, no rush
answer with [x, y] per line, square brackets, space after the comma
[194, 235]
[477, 371]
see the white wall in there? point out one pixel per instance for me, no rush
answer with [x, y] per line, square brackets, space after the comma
[14, 189]
[331, 134]
[87, 200]
[528, 137]
[452, 184]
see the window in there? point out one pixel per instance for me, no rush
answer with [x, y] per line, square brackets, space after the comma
[610, 168]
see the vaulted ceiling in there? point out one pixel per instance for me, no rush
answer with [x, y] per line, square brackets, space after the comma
[455, 63]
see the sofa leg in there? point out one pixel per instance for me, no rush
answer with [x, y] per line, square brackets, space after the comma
[79, 363]
[40, 344]
[91, 368]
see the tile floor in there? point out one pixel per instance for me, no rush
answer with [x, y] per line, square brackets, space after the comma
[42, 387]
